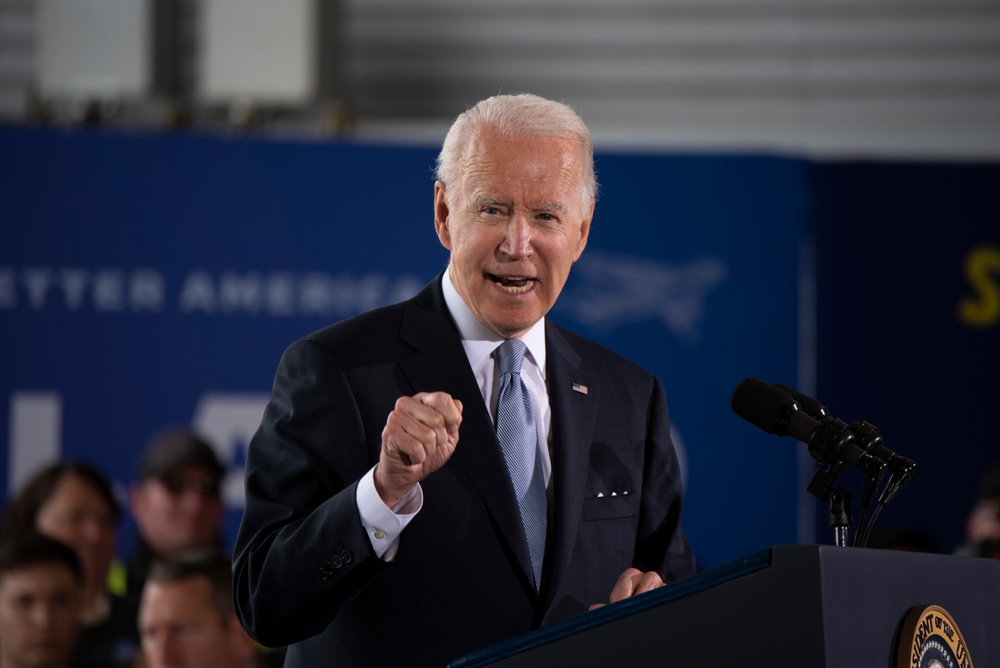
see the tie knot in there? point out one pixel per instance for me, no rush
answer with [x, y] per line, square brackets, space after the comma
[510, 354]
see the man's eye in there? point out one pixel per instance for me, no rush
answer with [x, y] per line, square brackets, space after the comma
[491, 211]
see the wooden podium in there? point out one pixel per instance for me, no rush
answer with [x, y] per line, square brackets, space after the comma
[788, 606]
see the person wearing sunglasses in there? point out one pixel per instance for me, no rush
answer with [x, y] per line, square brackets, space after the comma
[175, 502]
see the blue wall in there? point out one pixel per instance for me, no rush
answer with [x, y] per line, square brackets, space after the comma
[909, 322]
[149, 281]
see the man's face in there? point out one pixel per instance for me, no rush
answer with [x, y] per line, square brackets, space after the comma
[181, 629]
[79, 516]
[984, 521]
[180, 512]
[39, 616]
[515, 225]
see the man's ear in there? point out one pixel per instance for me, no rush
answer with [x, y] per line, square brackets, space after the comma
[584, 231]
[441, 213]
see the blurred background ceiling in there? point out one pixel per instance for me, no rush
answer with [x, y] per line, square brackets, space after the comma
[908, 79]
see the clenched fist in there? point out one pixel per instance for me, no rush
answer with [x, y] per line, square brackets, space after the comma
[420, 435]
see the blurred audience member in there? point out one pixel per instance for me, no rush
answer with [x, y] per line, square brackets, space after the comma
[982, 525]
[41, 582]
[176, 503]
[73, 502]
[187, 617]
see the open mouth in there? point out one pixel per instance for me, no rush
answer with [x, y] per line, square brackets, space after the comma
[513, 284]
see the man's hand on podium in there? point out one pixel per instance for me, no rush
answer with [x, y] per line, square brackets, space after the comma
[633, 582]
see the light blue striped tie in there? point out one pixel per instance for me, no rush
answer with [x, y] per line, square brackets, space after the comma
[519, 440]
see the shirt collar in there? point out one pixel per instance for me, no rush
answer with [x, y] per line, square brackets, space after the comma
[479, 340]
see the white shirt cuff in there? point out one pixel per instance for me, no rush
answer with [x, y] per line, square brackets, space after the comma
[383, 524]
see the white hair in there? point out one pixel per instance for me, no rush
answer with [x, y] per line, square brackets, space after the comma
[523, 115]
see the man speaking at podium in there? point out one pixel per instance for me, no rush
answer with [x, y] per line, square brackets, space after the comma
[443, 474]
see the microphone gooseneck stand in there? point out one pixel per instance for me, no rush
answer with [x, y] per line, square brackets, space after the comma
[838, 499]
[901, 471]
[837, 446]
[840, 516]
[873, 464]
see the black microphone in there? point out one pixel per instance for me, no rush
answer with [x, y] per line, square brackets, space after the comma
[774, 410]
[807, 403]
[866, 436]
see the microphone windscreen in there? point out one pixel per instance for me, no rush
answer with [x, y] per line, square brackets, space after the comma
[812, 407]
[762, 405]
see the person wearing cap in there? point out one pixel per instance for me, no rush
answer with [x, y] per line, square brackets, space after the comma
[176, 503]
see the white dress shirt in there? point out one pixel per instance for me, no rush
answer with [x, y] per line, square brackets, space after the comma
[384, 524]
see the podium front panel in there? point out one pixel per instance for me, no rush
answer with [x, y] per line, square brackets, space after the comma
[807, 606]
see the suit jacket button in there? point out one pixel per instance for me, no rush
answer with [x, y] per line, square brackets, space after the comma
[346, 556]
[337, 561]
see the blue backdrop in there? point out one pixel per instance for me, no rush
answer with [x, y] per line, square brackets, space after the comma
[909, 323]
[154, 280]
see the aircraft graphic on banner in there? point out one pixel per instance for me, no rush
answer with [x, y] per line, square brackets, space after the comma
[612, 290]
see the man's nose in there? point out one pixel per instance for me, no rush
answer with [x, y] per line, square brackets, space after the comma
[42, 615]
[517, 236]
[162, 652]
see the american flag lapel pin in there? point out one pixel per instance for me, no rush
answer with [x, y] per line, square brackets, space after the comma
[582, 389]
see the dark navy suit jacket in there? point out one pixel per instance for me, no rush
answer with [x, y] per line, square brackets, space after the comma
[305, 574]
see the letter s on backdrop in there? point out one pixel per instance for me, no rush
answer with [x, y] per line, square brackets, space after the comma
[982, 269]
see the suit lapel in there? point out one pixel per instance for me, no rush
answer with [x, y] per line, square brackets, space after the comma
[440, 364]
[573, 397]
